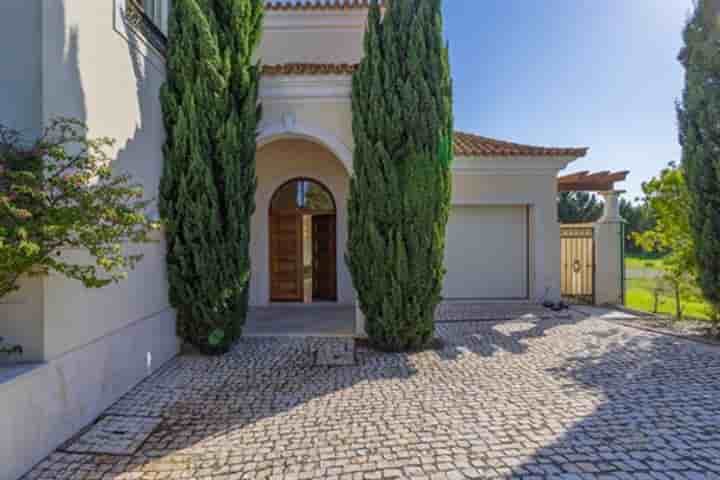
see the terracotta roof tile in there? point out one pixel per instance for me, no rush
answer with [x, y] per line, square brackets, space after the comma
[284, 5]
[466, 144]
[310, 69]
[469, 145]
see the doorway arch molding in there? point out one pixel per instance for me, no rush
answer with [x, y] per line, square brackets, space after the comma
[288, 128]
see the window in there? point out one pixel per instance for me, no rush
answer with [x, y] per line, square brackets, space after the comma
[145, 20]
[157, 11]
[302, 195]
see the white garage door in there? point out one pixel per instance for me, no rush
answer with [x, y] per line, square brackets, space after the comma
[486, 254]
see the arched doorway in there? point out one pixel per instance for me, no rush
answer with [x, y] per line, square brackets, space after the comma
[303, 246]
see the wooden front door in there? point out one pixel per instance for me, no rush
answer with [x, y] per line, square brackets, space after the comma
[286, 247]
[324, 257]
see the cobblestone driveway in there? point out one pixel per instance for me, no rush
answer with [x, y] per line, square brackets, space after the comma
[575, 398]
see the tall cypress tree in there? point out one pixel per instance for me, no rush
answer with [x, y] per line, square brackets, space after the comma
[400, 191]
[238, 28]
[699, 120]
[208, 184]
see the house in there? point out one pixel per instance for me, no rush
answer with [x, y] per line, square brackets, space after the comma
[102, 61]
[503, 237]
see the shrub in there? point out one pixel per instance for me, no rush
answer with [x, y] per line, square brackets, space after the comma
[59, 192]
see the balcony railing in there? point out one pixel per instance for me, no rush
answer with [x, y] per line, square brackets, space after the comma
[136, 18]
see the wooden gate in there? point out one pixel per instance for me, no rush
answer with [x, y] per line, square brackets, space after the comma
[578, 263]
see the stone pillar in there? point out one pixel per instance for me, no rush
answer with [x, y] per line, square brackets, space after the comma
[609, 252]
[359, 322]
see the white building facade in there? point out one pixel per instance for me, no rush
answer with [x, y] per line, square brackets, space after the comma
[98, 61]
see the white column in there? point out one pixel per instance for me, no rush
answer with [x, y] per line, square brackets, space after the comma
[608, 252]
[359, 322]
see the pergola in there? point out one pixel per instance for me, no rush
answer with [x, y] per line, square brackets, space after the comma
[600, 182]
[591, 182]
[605, 253]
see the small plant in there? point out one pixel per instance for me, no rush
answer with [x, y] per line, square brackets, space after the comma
[60, 193]
[714, 315]
[657, 292]
[9, 349]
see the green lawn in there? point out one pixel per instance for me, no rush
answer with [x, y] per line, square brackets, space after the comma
[635, 262]
[639, 293]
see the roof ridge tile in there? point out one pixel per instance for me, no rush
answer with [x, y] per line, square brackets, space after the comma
[318, 5]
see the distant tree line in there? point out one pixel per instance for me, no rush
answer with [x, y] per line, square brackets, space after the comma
[585, 207]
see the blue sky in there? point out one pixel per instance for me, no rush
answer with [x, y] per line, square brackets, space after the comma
[596, 73]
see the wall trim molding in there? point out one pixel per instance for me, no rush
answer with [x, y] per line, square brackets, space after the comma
[494, 201]
[306, 87]
[535, 166]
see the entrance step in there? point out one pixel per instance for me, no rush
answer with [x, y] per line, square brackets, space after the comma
[333, 352]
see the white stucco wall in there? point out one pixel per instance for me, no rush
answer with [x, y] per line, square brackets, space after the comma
[312, 37]
[92, 72]
[329, 116]
[44, 407]
[76, 316]
[609, 267]
[278, 162]
[20, 58]
[96, 344]
[22, 318]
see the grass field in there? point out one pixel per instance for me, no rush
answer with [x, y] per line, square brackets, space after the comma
[642, 262]
[639, 292]
[639, 296]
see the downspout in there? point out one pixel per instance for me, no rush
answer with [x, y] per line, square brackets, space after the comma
[623, 276]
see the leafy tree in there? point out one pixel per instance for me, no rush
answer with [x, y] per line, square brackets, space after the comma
[699, 120]
[208, 184]
[639, 217]
[60, 193]
[400, 192]
[667, 195]
[584, 207]
[579, 207]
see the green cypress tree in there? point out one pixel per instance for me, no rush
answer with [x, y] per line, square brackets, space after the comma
[208, 185]
[699, 121]
[400, 191]
[238, 28]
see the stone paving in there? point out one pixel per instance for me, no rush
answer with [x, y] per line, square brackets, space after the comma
[459, 311]
[115, 435]
[558, 398]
